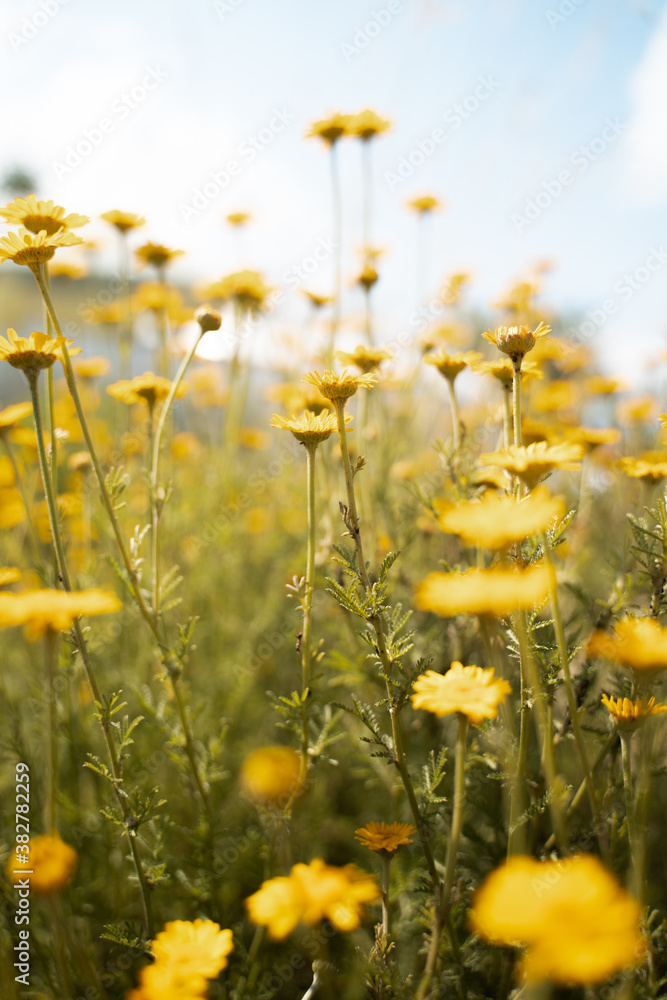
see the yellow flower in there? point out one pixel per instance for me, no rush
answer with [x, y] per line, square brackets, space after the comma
[156, 254]
[503, 370]
[9, 574]
[92, 367]
[198, 948]
[560, 394]
[603, 385]
[11, 415]
[238, 218]
[368, 276]
[425, 203]
[57, 610]
[627, 715]
[147, 388]
[35, 352]
[296, 396]
[330, 129]
[30, 249]
[52, 863]
[534, 461]
[163, 982]
[495, 521]
[12, 511]
[208, 318]
[578, 925]
[636, 411]
[483, 591]
[309, 894]
[367, 359]
[516, 341]
[246, 288]
[450, 365]
[337, 387]
[592, 437]
[639, 643]
[366, 125]
[471, 691]
[451, 289]
[638, 468]
[271, 774]
[41, 216]
[308, 428]
[68, 269]
[123, 221]
[386, 837]
[317, 299]
[79, 461]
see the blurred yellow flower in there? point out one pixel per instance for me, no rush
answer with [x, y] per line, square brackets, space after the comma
[367, 359]
[33, 353]
[238, 218]
[450, 291]
[271, 774]
[317, 299]
[123, 221]
[639, 468]
[366, 124]
[591, 437]
[247, 289]
[387, 837]
[424, 203]
[330, 129]
[156, 254]
[470, 691]
[30, 249]
[495, 521]
[535, 460]
[516, 341]
[577, 923]
[307, 427]
[193, 948]
[95, 367]
[603, 385]
[450, 365]
[57, 610]
[368, 276]
[483, 591]
[52, 863]
[12, 415]
[640, 410]
[71, 269]
[559, 394]
[12, 511]
[9, 574]
[309, 894]
[640, 643]
[164, 982]
[41, 216]
[627, 715]
[503, 370]
[337, 387]
[147, 388]
[296, 396]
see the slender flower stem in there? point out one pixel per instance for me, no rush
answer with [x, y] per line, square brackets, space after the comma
[516, 841]
[115, 764]
[385, 859]
[571, 698]
[306, 652]
[516, 403]
[630, 804]
[507, 416]
[337, 241]
[53, 458]
[452, 852]
[125, 347]
[456, 417]
[50, 650]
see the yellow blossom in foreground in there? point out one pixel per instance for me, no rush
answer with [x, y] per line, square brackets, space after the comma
[35, 352]
[95, 367]
[366, 124]
[30, 249]
[40, 216]
[156, 254]
[640, 643]
[57, 610]
[11, 415]
[503, 370]
[337, 387]
[147, 388]
[386, 837]
[330, 129]
[198, 948]
[640, 468]
[367, 359]
[309, 894]
[424, 203]
[307, 427]
[163, 982]
[628, 714]
[495, 521]
[483, 591]
[9, 574]
[471, 691]
[532, 462]
[271, 774]
[123, 221]
[516, 341]
[450, 365]
[577, 923]
[52, 863]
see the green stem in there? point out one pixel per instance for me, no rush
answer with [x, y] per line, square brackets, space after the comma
[571, 698]
[452, 853]
[50, 648]
[52, 430]
[337, 240]
[516, 841]
[507, 416]
[456, 417]
[384, 892]
[125, 347]
[581, 791]
[626, 739]
[516, 402]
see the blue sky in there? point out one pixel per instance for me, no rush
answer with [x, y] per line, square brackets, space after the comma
[185, 88]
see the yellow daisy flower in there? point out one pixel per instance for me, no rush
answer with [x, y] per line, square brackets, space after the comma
[317, 299]
[197, 948]
[603, 385]
[156, 254]
[271, 774]
[123, 221]
[52, 863]
[147, 388]
[366, 125]
[385, 837]
[470, 691]
[536, 460]
[639, 410]
[627, 715]
[9, 574]
[208, 318]
[576, 922]
[238, 218]
[337, 387]
[483, 591]
[164, 982]
[308, 428]
[57, 610]
[27, 248]
[95, 367]
[35, 352]
[41, 216]
[638, 468]
[425, 203]
[12, 415]
[639, 643]
[495, 522]
[330, 129]
[516, 341]
[246, 288]
[367, 359]
[503, 370]
[67, 269]
[450, 365]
